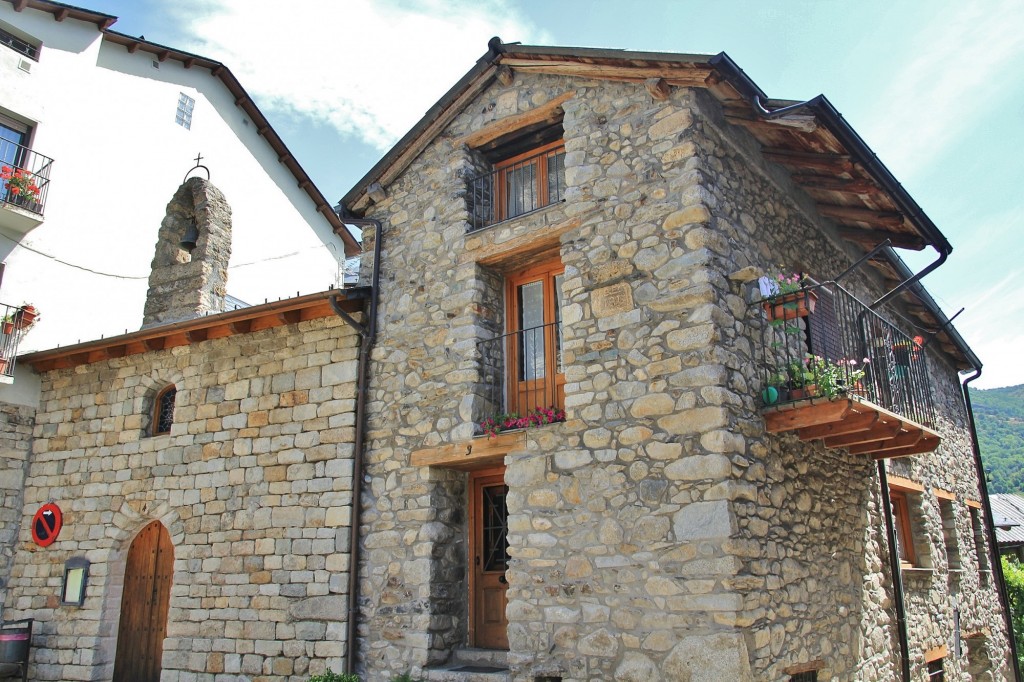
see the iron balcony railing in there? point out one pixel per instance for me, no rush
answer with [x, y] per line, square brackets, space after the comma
[842, 347]
[516, 189]
[31, 168]
[522, 370]
[15, 322]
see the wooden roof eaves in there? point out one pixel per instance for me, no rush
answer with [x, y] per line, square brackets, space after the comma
[62, 11]
[240, 321]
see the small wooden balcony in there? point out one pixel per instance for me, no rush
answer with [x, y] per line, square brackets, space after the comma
[834, 370]
[853, 423]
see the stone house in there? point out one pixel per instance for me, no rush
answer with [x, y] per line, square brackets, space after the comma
[584, 229]
[566, 230]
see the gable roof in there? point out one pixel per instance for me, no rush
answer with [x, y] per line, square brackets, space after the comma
[243, 100]
[825, 156]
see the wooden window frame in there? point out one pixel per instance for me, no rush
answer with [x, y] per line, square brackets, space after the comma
[540, 178]
[900, 505]
[157, 403]
[545, 272]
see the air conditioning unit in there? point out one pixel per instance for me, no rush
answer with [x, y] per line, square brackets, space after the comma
[25, 65]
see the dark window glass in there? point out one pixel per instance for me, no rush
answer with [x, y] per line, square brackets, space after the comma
[164, 411]
[936, 672]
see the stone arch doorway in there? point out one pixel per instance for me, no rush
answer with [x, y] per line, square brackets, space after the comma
[144, 603]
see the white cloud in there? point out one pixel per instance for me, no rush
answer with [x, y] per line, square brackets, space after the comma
[367, 68]
[961, 62]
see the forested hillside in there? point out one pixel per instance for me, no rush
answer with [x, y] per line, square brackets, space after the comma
[999, 415]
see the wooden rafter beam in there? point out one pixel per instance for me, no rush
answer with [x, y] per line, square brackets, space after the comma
[658, 88]
[860, 422]
[928, 444]
[836, 163]
[834, 184]
[862, 215]
[550, 111]
[197, 335]
[241, 326]
[806, 415]
[872, 238]
[692, 76]
[290, 316]
[881, 431]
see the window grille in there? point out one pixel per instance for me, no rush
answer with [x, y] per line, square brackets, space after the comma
[163, 411]
[19, 45]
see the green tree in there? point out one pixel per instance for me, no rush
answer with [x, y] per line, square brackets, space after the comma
[1013, 572]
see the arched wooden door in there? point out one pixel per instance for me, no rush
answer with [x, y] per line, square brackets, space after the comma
[147, 593]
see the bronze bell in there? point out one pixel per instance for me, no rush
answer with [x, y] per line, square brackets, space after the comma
[188, 242]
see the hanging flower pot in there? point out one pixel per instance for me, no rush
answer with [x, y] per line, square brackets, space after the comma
[8, 326]
[26, 316]
[790, 306]
[3, 366]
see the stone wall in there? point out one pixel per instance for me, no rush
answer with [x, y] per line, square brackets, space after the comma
[185, 284]
[834, 541]
[15, 441]
[659, 533]
[253, 484]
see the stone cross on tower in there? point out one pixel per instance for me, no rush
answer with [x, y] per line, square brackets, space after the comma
[185, 284]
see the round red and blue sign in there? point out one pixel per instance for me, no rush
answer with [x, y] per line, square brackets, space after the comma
[46, 524]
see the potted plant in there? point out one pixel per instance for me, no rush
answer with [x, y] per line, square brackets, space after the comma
[26, 316]
[8, 323]
[20, 185]
[835, 378]
[786, 298]
[492, 426]
[776, 390]
[801, 380]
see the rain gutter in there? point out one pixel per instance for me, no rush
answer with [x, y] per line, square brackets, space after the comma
[368, 333]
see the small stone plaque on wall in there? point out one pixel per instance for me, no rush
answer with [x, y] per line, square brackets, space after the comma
[612, 300]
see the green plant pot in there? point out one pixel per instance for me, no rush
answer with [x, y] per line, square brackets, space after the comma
[770, 395]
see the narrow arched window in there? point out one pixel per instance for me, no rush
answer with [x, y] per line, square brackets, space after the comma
[163, 410]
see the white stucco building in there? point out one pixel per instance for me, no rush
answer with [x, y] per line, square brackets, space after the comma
[111, 124]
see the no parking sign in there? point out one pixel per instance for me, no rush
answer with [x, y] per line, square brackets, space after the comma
[46, 524]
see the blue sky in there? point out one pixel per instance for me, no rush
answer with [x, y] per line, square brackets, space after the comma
[936, 89]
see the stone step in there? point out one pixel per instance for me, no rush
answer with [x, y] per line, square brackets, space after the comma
[461, 672]
[471, 665]
[493, 657]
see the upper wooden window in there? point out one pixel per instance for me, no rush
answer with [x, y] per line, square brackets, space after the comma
[535, 373]
[517, 176]
[163, 410]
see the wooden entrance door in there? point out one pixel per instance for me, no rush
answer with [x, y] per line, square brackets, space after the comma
[147, 593]
[488, 554]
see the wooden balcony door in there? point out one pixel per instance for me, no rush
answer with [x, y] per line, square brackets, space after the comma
[144, 604]
[488, 554]
[535, 376]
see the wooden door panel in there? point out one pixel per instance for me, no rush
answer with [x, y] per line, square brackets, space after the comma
[144, 604]
[489, 560]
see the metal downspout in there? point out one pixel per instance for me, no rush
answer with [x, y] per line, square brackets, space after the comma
[897, 572]
[990, 527]
[368, 332]
[943, 255]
